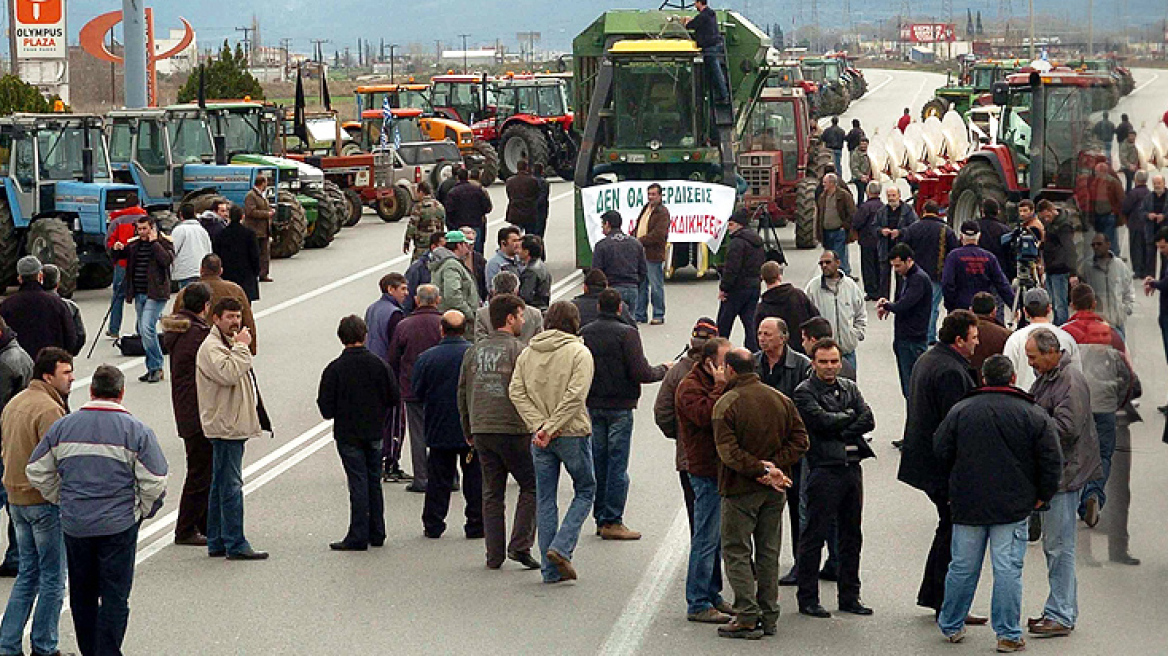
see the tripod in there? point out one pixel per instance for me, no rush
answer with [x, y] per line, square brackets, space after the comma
[1027, 279]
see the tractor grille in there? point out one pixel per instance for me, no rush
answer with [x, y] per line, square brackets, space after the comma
[757, 170]
[382, 170]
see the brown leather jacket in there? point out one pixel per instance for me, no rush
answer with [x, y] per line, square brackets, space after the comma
[752, 423]
[657, 236]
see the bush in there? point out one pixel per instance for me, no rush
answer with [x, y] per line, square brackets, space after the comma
[226, 78]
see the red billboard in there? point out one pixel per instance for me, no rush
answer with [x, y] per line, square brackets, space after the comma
[928, 32]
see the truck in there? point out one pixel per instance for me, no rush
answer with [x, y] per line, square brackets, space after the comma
[58, 194]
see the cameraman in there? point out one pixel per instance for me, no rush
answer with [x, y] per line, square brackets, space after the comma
[1059, 256]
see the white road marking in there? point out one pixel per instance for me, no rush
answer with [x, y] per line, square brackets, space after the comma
[1155, 76]
[629, 630]
[824, 122]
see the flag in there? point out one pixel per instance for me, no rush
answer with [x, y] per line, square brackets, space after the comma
[386, 122]
[299, 125]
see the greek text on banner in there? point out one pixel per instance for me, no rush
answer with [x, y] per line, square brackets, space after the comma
[698, 211]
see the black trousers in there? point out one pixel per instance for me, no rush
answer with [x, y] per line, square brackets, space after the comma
[101, 573]
[440, 468]
[362, 463]
[1142, 250]
[688, 494]
[192, 506]
[870, 270]
[832, 493]
[741, 305]
[932, 592]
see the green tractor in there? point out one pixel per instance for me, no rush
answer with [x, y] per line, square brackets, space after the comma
[973, 87]
[835, 92]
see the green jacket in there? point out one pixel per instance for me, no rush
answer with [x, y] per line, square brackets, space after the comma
[427, 217]
[455, 283]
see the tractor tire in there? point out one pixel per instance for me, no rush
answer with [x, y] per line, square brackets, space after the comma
[340, 205]
[356, 207]
[9, 246]
[393, 208]
[833, 102]
[805, 212]
[350, 149]
[976, 182]
[321, 232]
[935, 107]
[288, 236]
[51, 241]
[489, 171]
[95, 276]
[201, 201]
[442, 172]
[522, 142]
[847, 98]
[821, 159]
[166, 220]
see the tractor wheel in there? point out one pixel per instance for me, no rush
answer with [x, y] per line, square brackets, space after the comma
[340, 205]
[288, 236]
[9, 246]
[935, 107]
[166, 220]
[805, 212]
[442, 172]
[847, 98]
[521, 142]
[350, 149]
[320, 233]
[832, 102]
[490, 168]
[97, 275]
[976, 182]
[391, 209]
[51, 241]
[356, 207]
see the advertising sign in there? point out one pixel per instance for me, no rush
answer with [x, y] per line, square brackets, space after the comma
[698, 210]
[928, 32]
[40, 29]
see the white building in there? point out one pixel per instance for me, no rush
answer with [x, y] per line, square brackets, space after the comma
[183, 61]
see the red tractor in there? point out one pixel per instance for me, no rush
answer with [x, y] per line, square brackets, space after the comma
[522, 116]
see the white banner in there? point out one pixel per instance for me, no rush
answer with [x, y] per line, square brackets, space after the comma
[40, 29]
[698, 211]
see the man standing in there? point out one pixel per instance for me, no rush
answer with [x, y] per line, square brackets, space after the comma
[1111, 280]
[427, 216]
[708, 36]
[443, 189]
[238, 248]
[549, 388]
[52, 282]
[891, 220]
[41, 578]
[535, 281]
[505, 258]
[653, 233]
[991, 334]
[1155, 208]
[1140, 239]
[992, 230]
[971, 269]
[357, 391]
[105, 471]
[119, 230]
[258, 215]
[868, 236]
[467, 204]
[413, 336]
[542, 202]
[1129, 158]
[1062, 391]
[418, 273]
[940, 379]
[1152, 285]
[835, 208]
[383, 315]
[522, 197]
[855, 136]
[859, 163]
[1036, 307]
[15, 373]
[506, 282]
[475, 262]
[837, 418]
[1104, 131]
[620, 258]
[738, 287]
[215, 218]
[696, 396]
[191, 245]
[456, 283]
[1106, 200]
[39, 318]
[904, 120]
[1125, 126]
[839, 300]
[833, 138]
[183, 333]
[498, 433]
[435, 383]
[1059, 258]
[758, 434]
[231, 413]
[931, 240]
[783, 300]
[996, 434]
[621, 369]
[210, 273]
[912, 309]
[148, 259]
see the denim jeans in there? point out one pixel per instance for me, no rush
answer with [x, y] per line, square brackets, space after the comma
[837, 158]
[99, 589]
[1058, 543]
[1105, 224]
[652, 288]
[1007, 543]
[118, 301]
[938, 295]
[575, 454]
[837, 241]
[1105, 426]
[741, 305]
[907, 354]
[149, 310]
[12, 553]
[41, 580]
[629, 295]
[703, 580]
[612, 436]
[850, 358]
[362, 463]
[715, 60]
[1058, 285]
[225, 509]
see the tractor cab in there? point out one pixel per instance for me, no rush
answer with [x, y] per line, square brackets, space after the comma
[400, 96]
[773, 151]
[468, 99]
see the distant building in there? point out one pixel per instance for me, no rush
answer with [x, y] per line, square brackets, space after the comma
[183, 61]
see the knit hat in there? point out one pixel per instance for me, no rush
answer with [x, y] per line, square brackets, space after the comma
[704, 329]
[28, 266]
[455, 237]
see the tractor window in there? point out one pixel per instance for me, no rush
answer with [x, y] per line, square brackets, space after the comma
[814, 73]
[1015, 125]
[771, 127]
[59, 153]
[414, 99]
[983, 78]
[1066, 130]
[243, 133]
[5, 153]
[409, 130]
[151, 150]
[120, 143]
[551, 101]
[25, 166]
[506, 101]
[654, 102]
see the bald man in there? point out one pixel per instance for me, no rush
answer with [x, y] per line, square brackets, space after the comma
[435, 384]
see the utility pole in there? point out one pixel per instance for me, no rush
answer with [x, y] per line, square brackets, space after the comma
[438, 49]
[286, 46]
[134, 37]
[318, 50]
[465, 68]
[1032, 30]
[1090, 27]
[15, 70]
[247, 43]
[392, 47]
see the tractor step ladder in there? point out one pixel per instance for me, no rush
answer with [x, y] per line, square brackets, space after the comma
[724, 123]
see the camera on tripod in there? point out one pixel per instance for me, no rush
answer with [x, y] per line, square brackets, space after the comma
[1023, 244]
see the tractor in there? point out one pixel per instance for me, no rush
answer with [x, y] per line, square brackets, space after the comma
[1124, 81]
[972, 88]
[476, 153]
[786, 73]
[58, 193]
[1108, 84]
[857, 84]
[835, 95]
[522, 116]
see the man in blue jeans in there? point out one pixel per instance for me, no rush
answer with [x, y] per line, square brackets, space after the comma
[913, 308]
[41, 578]
[621, 369]
[653, 232]
[998, 434]
[148, 259]
[833, 219]
[708, 37]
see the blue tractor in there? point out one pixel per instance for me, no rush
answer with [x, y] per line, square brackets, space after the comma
[58, 193]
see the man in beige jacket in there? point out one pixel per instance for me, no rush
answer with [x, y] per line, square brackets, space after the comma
[549, 387]
[230, 414]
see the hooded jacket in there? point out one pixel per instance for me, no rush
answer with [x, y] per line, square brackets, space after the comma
[23, 424]
[484, 379]
[1111, 278]
[621, 367]
[843, 308]
[228, 405]
[1064, 394]
[455, 283]
[752, 423]
[212, 223]
[183, 334]
[551, 382]
[191, 245]
[744, 259]
[790, 304]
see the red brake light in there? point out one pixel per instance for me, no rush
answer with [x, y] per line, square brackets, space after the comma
[417, 174]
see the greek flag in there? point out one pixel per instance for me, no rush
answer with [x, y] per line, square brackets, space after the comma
[387, 124]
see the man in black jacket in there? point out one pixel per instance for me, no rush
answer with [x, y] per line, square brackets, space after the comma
[237, 247]
[621, 369]
[834, 137]
[868, 235]
[931, 240]
[468, 204]
[837, 418]
[588, 303]
[1001, 455]
[992, 230]
[40, 318]
[357, 390]
[738, 289]
[783, 300]
[914, 293]
[941, 377]
[148, 258]
[621, 258]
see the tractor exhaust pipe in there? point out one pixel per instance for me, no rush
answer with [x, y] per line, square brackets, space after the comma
[86, 155]
[1037, 134]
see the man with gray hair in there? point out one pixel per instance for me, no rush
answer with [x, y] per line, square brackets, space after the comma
[52, 275]
[1036, 307]
[506, 282]
[416, 333]
[835, 209]
[39, 318]
[1154, 209]
[1061, 390]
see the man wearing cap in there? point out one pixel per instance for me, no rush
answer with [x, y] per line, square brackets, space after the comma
[1036, 307]
[972, 269]
[456, 283]
[738, 288]
[39, 317]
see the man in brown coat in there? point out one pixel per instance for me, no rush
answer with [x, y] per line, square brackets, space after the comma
[758, 433]
[210, 273]
[653, 233]
[522, 198]
[257, 215]
[991, 334]
[833, 219]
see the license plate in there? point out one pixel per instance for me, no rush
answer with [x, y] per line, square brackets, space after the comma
[636, 158]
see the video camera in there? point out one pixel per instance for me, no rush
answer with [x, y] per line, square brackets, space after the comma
[1023, 245]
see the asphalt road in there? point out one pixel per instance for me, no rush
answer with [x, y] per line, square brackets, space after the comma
[417, 594]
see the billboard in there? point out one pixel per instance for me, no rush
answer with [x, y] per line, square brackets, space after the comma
[928, 32]
[40, 29]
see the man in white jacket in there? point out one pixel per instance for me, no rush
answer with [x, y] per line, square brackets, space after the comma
[841, 301]
[191, 245]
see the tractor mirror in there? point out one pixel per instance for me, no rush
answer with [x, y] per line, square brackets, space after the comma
[1001, 93]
